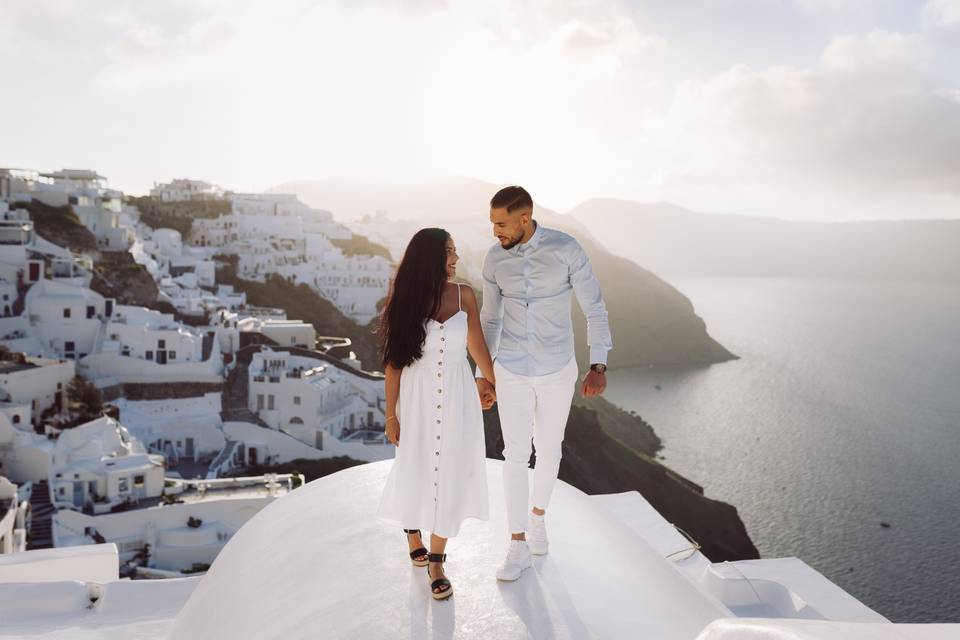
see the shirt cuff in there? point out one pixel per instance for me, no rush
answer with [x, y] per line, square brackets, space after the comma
[598, 355]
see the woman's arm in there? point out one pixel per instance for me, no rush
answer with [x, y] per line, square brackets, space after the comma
[391, 383]
[476, 344]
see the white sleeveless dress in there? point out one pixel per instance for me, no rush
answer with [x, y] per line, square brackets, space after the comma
[439, 476]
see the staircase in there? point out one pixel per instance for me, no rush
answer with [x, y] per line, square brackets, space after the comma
[41, 527]
[234, 398]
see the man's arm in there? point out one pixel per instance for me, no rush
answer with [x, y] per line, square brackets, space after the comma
[491, 313]
[587, 289]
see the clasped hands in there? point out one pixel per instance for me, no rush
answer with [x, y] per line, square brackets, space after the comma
[488, 393]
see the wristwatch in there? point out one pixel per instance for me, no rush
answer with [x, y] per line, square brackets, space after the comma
[598, 368]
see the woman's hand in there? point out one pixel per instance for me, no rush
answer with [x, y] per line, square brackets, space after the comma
[487, 392]
[392, 429]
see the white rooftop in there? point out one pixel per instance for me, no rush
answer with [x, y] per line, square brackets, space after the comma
[318, 564]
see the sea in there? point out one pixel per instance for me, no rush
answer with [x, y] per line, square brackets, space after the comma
[836, 434]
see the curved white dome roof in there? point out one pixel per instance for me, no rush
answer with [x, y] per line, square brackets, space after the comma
[318, 564]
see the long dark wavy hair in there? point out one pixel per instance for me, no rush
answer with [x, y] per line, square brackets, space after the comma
[414, 297]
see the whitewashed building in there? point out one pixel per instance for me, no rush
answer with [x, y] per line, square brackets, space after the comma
[178, 428]
[183, 189]
[38, 383]
[278, 234]
[142, 345]
[24, 454]
[99, 465]
[67, 320]
[13, 518]
[312, 399]
[285, 333]
[184, 530]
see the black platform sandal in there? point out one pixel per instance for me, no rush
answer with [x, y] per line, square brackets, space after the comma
[439, 583]
[417, 553]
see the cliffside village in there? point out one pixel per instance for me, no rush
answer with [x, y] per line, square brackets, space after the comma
[190, 398]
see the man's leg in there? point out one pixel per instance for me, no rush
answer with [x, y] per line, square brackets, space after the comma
[554, 394]
[516, 403]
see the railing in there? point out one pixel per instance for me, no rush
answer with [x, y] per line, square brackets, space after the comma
[269, 480]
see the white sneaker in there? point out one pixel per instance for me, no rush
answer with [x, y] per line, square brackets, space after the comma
[537, 535]
[518, 559]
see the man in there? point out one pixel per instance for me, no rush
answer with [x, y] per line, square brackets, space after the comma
[527, 282]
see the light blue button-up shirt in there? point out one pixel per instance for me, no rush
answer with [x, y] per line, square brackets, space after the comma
[526, 304]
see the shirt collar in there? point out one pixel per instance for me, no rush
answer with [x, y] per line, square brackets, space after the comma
[532, 242]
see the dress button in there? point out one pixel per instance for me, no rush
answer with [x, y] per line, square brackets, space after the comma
[439, 375]
[439, 390]
[438, 406]
[438, 437]
[438, 422]
[442, 339]
[435, 468]
[437, 453]
[441, 350]
[440, 363]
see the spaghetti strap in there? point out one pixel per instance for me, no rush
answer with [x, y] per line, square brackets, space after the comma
[459, 306]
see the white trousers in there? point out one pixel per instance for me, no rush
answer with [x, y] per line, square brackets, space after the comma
[534, 407]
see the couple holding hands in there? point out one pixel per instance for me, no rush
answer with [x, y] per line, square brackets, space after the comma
[522, 343]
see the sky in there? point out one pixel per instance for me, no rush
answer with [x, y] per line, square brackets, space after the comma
[800, 109]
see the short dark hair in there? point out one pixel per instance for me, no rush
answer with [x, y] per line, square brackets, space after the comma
[511, 199]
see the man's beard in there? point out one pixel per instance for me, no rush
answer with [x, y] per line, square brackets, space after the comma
[513, 242]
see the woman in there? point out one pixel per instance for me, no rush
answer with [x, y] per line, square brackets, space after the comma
[433, 412]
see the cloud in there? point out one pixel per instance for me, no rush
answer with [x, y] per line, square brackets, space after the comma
[941, 14]
[821, 7]
[883, 51]
[575, 98]
[869, 127]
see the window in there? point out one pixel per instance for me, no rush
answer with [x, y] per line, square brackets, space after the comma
[138, 481]
[69, 346]
[270, 401]
[16, 418]
[161, 344]
[148, 355]
[296, 399]
[172, 355]
[259, 401]
[123, 484]
[91, 311]
[66, 313]
[125, 350]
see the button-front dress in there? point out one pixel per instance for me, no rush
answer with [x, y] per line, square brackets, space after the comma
[438, 478]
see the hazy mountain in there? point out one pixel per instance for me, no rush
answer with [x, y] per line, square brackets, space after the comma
[651, 322]
[671, 240]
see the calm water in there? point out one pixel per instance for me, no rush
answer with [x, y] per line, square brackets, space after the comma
[843, 412]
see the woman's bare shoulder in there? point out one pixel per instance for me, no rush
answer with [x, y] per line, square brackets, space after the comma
[468, 295]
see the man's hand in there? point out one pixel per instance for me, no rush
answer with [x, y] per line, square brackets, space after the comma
[593, 384]
[488, 394]
[392, 429]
